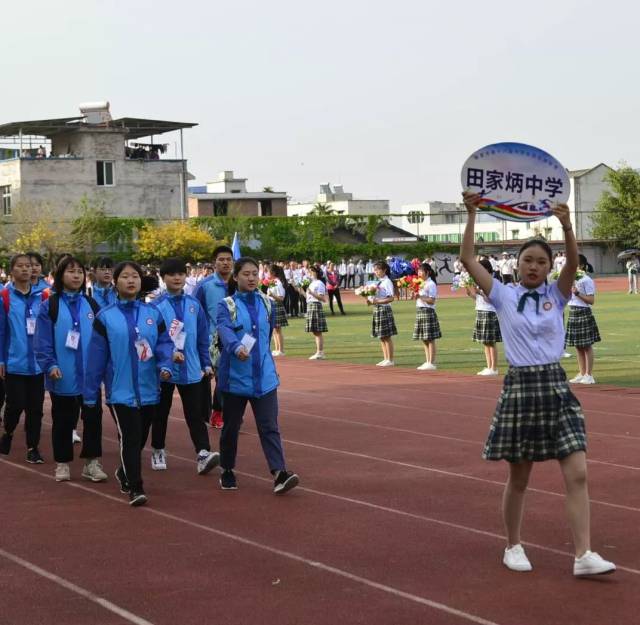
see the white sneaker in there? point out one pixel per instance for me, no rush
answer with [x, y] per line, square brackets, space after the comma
[386, 363]
[76, 437]
[277, 353]
[427, 366]
[488, 371]
[381, 363]
[158, 460]
[516, 559]
[592, 564]
[567, 355]
[207, 460]
[63, 473]
[317, 356]
[587, 379]
[576, 380]
[93, 471]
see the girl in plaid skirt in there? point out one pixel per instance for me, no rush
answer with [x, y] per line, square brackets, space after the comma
[277, 294]
[582, 330]
[383, 323]
[316, 321]
[427, 326]
[487, 328]
[538, 417]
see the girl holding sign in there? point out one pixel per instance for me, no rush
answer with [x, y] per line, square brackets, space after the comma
[537, 418]
[131, 347]
[247, 374]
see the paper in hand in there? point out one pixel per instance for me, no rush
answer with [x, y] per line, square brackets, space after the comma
[248, 342]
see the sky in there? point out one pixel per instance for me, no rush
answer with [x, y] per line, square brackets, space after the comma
[386, 98]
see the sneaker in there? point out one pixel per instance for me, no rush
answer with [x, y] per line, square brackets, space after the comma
[592, 564]
[317, 356]
[277, 353]
[63, 472]
[576, 380]
[122, 480]
[484, 371]
[75, 437]
[587, 379]
[388, 363]
[5, 444]
[516, 559]
[34, 457]
[285, 480]
[137, 498]
[427, 366]
[93, 471]
[207, 460]
[158, 460]
[228, 480]
[567, 355]
[217, 421]
[381, 363]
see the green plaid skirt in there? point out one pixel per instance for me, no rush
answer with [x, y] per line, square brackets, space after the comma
[582, 329]
[537, 418]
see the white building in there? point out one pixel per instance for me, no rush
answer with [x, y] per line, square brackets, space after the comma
[340, 203]
[58, 162]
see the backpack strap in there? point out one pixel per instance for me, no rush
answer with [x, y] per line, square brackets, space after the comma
[95, 307]
[54, 306]
[267, 303]
[231, 305]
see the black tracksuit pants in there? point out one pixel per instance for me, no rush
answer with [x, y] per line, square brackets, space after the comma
[25, 393]
[65, 410]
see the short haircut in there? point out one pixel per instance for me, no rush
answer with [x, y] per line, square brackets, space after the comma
[66, 262]
[172, 265]
[37, 256]
[126, 263]
[223, 249]
[15, 257]
[103, 261]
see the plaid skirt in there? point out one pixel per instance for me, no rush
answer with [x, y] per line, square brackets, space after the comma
[281, 315]
[383, 324]
[537, 417]
[487, 328]
[582, 329]
[316, 321]
[427, 326]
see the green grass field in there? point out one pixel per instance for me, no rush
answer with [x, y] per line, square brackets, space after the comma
[617, 356]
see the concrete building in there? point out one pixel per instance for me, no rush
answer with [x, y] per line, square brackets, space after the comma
[228, 196]
[58, 162]
[340, 203]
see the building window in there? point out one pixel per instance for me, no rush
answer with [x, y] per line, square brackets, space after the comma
[450, 219]
[266, 209]
[514, 234]
[547, 233]
[415, 217]
[5, 197]
[104, 171]
[220, 208]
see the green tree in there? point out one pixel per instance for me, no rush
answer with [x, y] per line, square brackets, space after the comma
[321, 208]
[177, 238]
[617, 215]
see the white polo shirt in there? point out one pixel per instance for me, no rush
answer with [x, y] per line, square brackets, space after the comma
[429, 289]
[585, 286]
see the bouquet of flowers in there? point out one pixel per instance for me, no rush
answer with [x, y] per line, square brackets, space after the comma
[304, 283]
[368, 290]
[404, 282]
[269, 282]
[556, 274]
[416, 284]
[467, 281]
[455, 283]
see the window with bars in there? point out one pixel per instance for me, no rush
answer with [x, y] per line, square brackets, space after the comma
[5, 199]
[104, 173]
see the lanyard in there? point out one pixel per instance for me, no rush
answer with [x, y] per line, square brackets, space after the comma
[177, 303]
[74, 309]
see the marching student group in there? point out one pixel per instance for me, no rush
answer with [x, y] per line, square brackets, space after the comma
[85, 345]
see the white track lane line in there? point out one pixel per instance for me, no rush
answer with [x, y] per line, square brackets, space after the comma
[78, 590]
[327, 568]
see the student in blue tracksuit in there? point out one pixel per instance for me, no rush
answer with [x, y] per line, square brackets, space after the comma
[38, 283]
[247, 373]
[61, 345]
[210, 292]
[131, 349]
[188, 329]
[24, 383]
[102, 290]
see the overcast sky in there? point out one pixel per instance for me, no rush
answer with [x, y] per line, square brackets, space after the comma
[386, 98]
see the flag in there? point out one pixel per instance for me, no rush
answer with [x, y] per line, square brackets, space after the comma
[235, 246]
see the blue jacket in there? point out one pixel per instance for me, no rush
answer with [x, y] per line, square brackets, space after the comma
[16, 346]
[257, 375]
[196, 327]
[74, 313]
[128, 380]
[210, 292]
[105, 296]
[40, 285]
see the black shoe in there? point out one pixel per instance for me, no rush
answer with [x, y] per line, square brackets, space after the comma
[228, 480]
[122, 480]
[34, 457]
[285, 480]
[5, 444]
[137, 498]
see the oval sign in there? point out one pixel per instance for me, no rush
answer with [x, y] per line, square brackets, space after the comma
[518, 182]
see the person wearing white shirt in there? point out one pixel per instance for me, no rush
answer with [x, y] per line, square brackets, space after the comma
[582, 329]
[360, 273]
[506, 269]
[369, 270]
[383, 323]
[351, 274]
[633, 267]
[427, 326]
[487, 328]
[342, 270]
[316, 322]
[276, 294]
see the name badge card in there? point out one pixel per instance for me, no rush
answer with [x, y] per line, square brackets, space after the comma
[31, 326]
[248, 342]
[73, 339]
[175, 329]
[179, 340]
[144, 350]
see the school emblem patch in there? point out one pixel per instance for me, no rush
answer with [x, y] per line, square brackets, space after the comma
[90, 315]
[149, 321]
[547, 306]
[192, 309]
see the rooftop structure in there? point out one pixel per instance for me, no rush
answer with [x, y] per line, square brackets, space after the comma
[335, 200]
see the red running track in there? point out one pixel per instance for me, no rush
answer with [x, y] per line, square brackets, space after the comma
[396, 521]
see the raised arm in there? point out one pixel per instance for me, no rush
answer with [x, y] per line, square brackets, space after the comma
[467, 249]
[568, 273]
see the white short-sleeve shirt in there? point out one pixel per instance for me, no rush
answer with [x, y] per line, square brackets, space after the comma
[317, 286]
[585, 286]
[483, 304]
[429, 289]
[530, 338]
[385, 288]
[277, 289]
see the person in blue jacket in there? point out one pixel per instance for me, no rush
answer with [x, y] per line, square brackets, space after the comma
[210, 292]
[247, 373]
[188, 329]
[102, 290]
[131, 350]
[24, 382]
[38, 283]
[61, 345]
